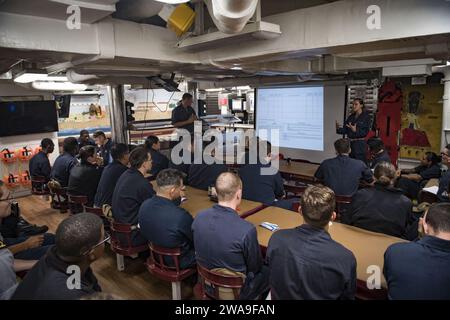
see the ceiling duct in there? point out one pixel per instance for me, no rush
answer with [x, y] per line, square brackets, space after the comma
[230, 16]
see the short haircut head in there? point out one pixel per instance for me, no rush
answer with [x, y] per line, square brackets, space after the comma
[99, 134]
[150, 141]
[77, 234]
[70, 145]
[119, 150]
[86, 152]
[342, 146]
[375, 144]
[138, 156]
[438, 217]
[169, 178]
[227, 184]
[47, 142]
[318, 204]
[186, 96]
[83, 132]
[385, 173]
[432, 157]
[361, 102]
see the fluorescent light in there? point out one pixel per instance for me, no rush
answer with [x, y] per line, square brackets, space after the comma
[58, 86]
[173, 1]
[30, 76]
[214, 89]
[243, 88]
[236, 68]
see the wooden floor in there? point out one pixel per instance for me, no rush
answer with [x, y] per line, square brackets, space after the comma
[133, 283]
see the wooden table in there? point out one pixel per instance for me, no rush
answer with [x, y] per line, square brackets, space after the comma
[368, 247]
[299, 170]
[198, 200]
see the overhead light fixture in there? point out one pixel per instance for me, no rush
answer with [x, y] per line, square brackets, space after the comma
[243, 88]
[58, 86]
[28, 76]
[236, 68]
[173, 1]
[214, 89]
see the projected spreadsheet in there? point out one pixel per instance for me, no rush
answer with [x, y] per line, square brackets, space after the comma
[296, 112]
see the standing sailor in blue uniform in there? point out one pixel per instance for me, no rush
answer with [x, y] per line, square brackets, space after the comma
[356, 127]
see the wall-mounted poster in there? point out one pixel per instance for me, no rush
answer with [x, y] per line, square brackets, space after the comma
[421, 120]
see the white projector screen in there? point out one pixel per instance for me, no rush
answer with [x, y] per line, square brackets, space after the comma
[297, 112]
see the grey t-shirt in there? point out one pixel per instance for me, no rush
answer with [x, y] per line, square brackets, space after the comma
[8, 282]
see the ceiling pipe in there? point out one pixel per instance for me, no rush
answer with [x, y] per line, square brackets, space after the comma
[74, 77]
[230, 16]
[259, 81]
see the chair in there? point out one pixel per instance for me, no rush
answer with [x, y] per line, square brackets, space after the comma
[425, 196]
[77, 203]
[118, 246]
[59, 199]
[217, 281]
[295, 189]
[156, 266]
[38, 186]
[99, 212]
[342, 205]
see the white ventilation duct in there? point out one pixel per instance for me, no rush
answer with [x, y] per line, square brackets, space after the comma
[230, 16]
[75, 77]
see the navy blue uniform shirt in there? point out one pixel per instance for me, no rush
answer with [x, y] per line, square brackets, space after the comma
[427, 173]
[62, 167]
[381, 157]
[382, 209]
[444, 186]
[418, 270]
[343, 174]
[201, 176]
[48, 279]
[83, 180]
[131, 191]
[40, 165]
[362, 126]
[181, 113]
[258, 187]
[223, 240]
[159, 162]
[105, 152]
[108, 181]
[307, 264]
[90, 142]
[166, 225]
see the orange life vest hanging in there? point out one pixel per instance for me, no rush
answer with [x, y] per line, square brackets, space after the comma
[11, 180]
[25, 178]
[24, 153]
[7, 156]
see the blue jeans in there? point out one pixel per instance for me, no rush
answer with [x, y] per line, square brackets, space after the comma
[34, 253]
